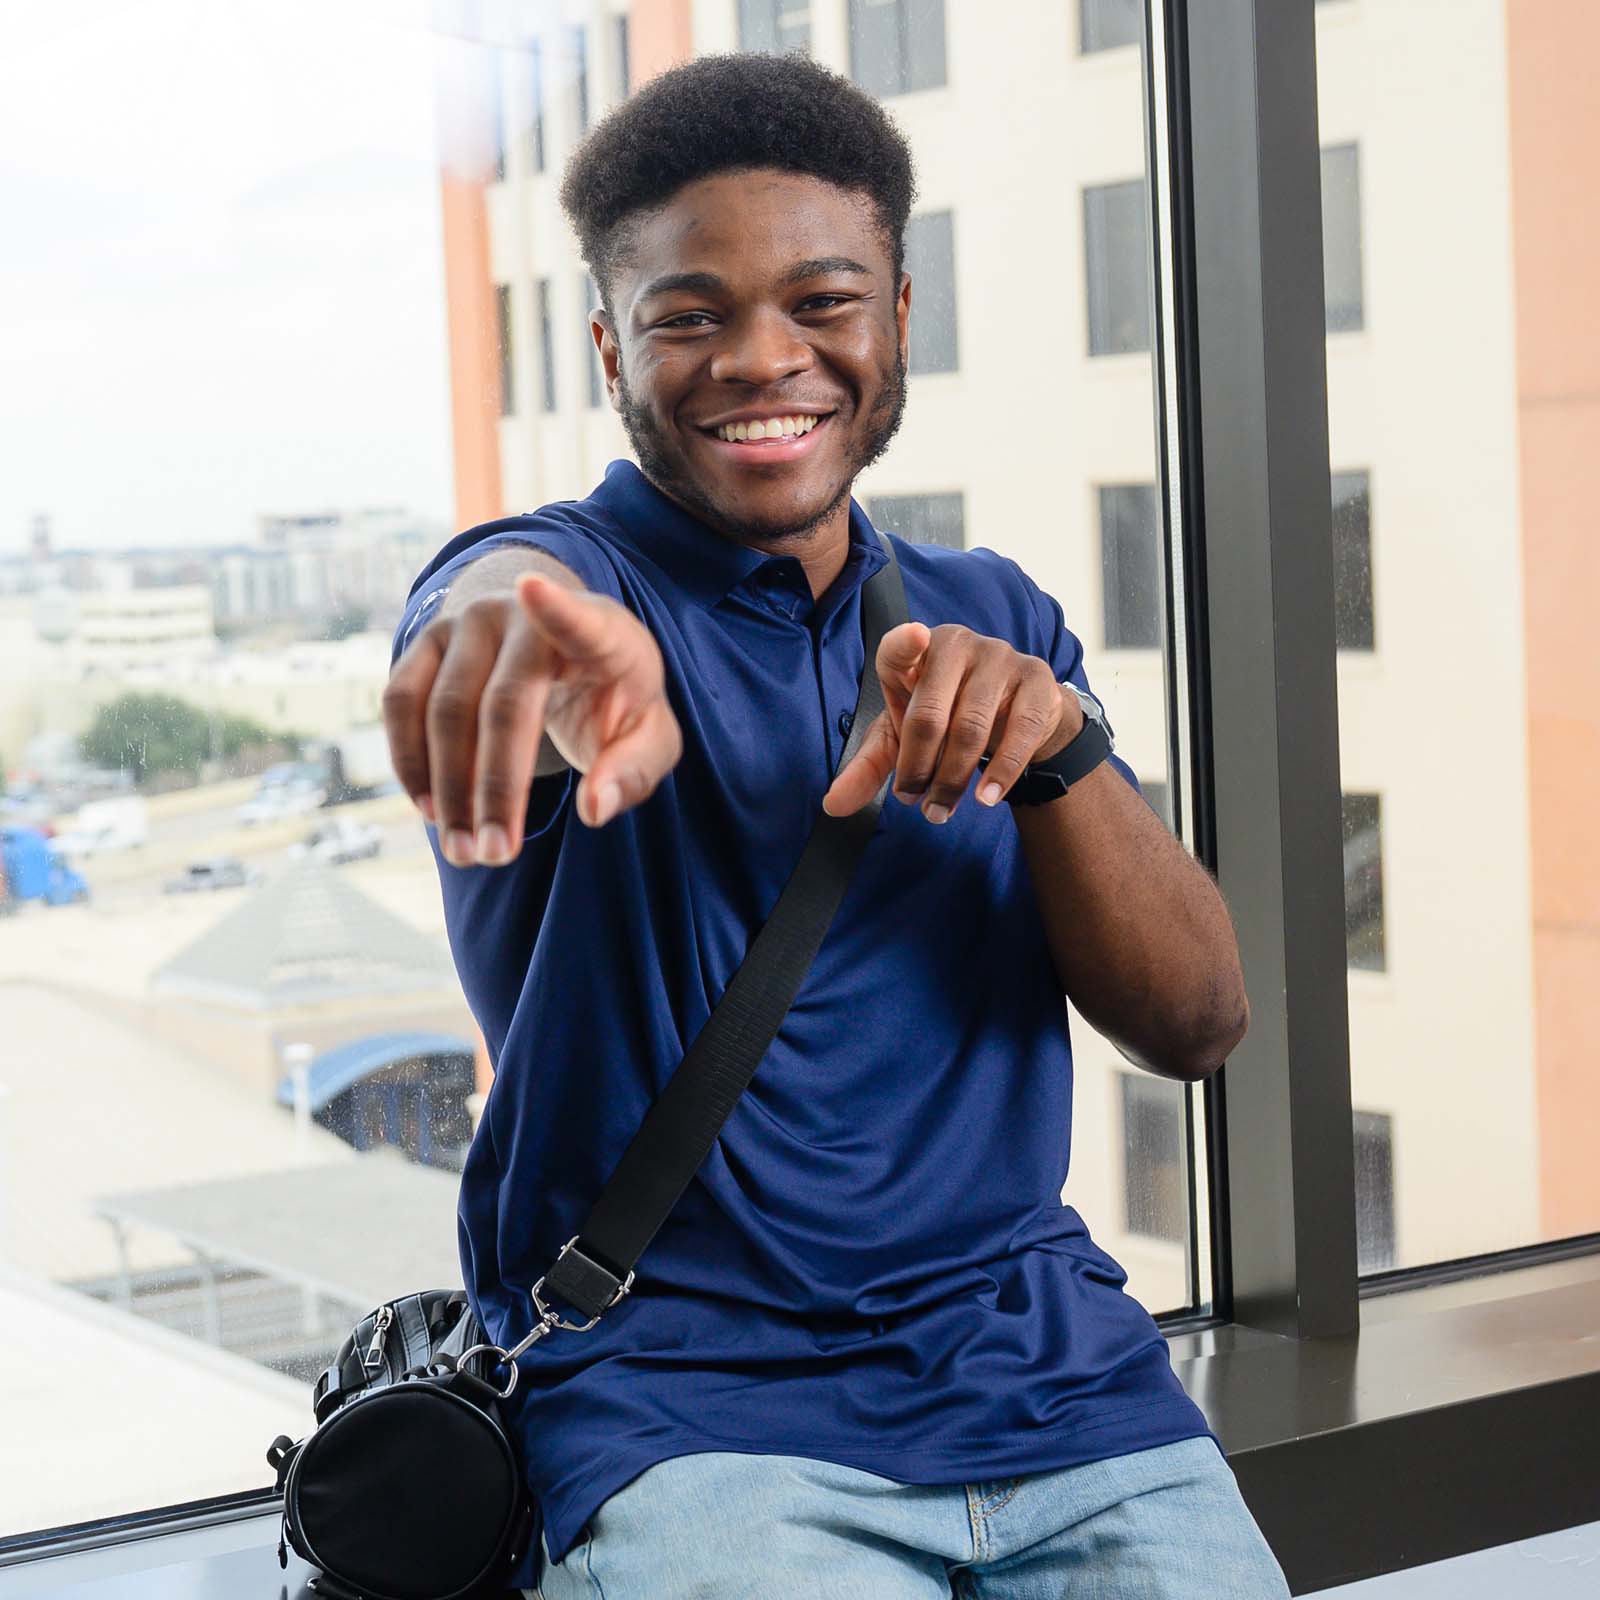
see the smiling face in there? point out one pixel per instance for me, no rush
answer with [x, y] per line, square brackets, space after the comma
[758, 297]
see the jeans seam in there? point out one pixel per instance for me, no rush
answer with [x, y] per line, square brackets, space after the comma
[979, 1530]
[588, 1567]
[1003, 1497]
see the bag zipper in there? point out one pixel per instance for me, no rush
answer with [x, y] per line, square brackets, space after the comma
[373, 1359]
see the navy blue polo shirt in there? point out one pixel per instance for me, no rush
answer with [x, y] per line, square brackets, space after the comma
[874, 1265]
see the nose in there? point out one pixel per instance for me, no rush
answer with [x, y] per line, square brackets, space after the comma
[759, 350]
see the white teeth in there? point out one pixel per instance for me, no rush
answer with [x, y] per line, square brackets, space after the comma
[771, 428]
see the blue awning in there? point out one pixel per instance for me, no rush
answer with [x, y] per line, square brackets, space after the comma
[338, 1069]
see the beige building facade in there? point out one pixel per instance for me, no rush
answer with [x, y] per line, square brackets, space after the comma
[1036, 411]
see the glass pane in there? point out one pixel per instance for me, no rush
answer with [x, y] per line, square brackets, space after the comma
[1460, 223]
[1105, 24]
[302, 353]
[931, 261]
[1117, 250]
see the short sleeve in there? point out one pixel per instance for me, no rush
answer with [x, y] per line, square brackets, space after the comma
[572, 547]
[1056, 643]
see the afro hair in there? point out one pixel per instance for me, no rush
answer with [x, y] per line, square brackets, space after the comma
[723, 113]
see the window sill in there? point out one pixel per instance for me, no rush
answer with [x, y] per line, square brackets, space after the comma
[1458, 1421]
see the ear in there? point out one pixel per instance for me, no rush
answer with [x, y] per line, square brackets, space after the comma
[902, 317]
[603, 331]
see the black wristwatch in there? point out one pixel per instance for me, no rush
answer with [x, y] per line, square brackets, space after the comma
[1049, 780]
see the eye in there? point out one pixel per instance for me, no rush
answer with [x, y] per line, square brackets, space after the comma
[680, 320]
[831, 299]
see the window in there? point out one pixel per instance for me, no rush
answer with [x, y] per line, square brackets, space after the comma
[588, 297]
[897, 45]
[1159, 795]
[1130, 565]
[1341, 238]
[922, 518]
[579, 37]
[1117, 251]
[547, 348]
[502, 307]
[1352, 560]
[1155, 1185]
[931, 261]
[1106, 24]
[1363, 882]
[536, 104]
[1374, 1136]
[777, 26]
[498, 120]
[619, 47]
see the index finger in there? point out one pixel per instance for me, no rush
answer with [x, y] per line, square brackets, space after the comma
[405, 704]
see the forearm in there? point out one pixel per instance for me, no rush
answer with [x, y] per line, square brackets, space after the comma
[496, 574]
[1141, 938]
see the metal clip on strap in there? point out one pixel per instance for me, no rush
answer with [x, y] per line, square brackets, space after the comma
[581, 1281]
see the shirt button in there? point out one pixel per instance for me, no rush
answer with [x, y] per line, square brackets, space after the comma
[845, 720]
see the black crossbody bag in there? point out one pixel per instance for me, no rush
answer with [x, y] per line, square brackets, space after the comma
[409, 1487]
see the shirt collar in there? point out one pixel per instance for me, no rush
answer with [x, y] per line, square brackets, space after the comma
[701, 561]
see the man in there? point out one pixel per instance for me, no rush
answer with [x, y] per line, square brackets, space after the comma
[870, 1353]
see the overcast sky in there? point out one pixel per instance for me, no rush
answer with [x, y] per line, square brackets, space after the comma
[221, 282]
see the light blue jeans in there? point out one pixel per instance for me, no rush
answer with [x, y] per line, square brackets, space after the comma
[1162, 1524]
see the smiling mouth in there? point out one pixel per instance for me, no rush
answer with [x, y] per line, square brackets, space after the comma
[769, 428]
[793, 439]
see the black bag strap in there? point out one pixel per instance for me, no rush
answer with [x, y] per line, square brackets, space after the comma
[595, 1268]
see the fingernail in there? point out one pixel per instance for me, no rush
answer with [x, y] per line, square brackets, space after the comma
[494, 847]
[606, 802]
[425, 806]
[936, 813]
[458, 847]
[989, 793]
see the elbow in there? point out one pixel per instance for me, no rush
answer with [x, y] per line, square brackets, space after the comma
[1205, 1045]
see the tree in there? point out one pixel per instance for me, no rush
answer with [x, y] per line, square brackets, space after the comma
[150, 733]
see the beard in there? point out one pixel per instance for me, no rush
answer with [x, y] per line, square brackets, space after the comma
[662, 462]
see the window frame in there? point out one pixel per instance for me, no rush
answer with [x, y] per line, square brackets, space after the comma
[1399, 1389]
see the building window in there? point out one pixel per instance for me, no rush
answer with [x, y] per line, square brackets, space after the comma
[1363, 881]
[931, 261]
[1117, 251]
[619, 48]
[1155, 1184]
[536, 85]
[596, 377]
[1130, 565]
[497, 112]
[547, 348]
[502, 308]
[1158, 795]
[1352, 561]
[1108, 24]
[1374, 1136]
[922, 518]
[776, 26]
[580, 79]
[897, 45]
[1341, 238]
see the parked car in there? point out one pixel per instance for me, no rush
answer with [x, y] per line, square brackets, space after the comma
[290, 789]
[339, 841]
[221, 872]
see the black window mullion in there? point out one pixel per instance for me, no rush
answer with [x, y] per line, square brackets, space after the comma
[1253, 446]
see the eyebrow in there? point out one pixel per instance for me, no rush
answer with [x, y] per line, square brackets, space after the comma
[710, 283]
[821, 266]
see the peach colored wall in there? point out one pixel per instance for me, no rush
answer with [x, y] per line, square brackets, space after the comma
[658, 38]
[466, 165]
[1555, 164]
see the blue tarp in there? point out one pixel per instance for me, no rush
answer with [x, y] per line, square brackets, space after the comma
[338, 1069]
